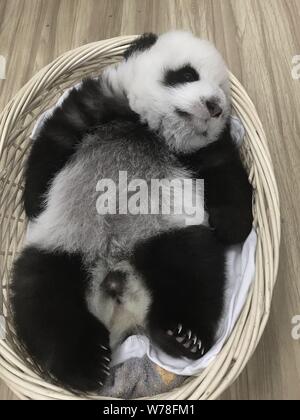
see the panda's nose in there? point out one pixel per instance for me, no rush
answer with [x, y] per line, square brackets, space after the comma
[213, 108]
[114, 284]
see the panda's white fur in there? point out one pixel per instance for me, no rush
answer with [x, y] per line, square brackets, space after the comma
[119, 318]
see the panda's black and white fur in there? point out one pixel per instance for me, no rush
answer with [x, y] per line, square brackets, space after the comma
[84, 281]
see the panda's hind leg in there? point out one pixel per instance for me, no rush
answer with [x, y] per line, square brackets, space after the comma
[185, 271]
[53, 322]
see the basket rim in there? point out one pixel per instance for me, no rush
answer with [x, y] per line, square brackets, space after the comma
[242, 342]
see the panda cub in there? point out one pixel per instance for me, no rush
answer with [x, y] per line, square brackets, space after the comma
[85, 281]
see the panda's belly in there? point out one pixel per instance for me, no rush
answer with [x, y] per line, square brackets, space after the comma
[73, 221]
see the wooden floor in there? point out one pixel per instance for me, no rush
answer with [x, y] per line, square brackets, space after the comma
[258, 39]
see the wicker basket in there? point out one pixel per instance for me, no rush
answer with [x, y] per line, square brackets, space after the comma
[16, 123]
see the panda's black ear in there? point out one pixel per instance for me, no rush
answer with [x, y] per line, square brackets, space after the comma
[144, 42]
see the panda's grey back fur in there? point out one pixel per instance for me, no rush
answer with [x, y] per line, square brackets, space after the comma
[70, 220]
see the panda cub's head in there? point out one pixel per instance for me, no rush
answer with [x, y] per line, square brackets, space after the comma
[178, 85]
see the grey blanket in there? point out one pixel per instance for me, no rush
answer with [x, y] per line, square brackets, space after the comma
[139, 378]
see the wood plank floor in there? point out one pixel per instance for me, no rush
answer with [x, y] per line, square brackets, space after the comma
[259, 39]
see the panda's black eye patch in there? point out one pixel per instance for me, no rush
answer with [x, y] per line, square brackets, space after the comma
[186, 74]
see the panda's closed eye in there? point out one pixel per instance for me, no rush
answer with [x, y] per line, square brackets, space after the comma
[185, 74]
[182, 113]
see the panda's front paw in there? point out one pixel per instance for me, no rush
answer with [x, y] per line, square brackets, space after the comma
[187, 342]
[180, 341]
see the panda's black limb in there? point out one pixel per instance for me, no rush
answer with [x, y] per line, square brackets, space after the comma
[53, 322]
[85, 107]
[228, 192]
[185, 271]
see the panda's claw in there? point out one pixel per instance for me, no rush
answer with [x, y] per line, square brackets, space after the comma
[189, 340]
[104, 348]
[105, 368]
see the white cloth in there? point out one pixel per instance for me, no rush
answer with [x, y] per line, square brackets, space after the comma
[240, 274]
